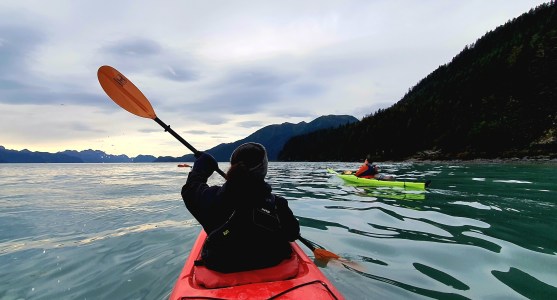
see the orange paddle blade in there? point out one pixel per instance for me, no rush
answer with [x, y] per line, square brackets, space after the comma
[122, 91]
[324, 254]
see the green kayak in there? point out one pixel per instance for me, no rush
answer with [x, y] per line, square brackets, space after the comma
[351, 179]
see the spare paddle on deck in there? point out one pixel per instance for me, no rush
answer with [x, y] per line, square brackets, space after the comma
[122, 91]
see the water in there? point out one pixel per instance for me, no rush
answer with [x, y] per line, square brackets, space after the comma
[121, 231]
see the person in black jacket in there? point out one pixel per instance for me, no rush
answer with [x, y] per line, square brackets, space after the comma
[248, 227]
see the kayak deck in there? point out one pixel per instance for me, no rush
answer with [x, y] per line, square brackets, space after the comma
[352, 179]
[309, 283]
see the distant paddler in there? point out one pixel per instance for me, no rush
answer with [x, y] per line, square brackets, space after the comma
[351, 179]
[369, 170]
[184, 166]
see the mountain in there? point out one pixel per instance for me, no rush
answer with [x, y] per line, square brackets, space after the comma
[273, 137]
[144, 159]
[97, 156]
[495, 99]
[26, 156]
[68, 156]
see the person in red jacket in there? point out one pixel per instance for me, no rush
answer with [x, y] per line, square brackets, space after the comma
[369, 170]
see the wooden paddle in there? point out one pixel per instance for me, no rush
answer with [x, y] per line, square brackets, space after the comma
[122, 91]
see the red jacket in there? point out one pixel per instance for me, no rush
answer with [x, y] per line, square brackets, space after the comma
[366, 171]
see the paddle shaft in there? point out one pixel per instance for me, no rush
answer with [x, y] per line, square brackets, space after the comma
[307, 243]
[196, 153]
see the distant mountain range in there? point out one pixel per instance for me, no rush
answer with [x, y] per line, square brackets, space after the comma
[273, 137]
[68, 156]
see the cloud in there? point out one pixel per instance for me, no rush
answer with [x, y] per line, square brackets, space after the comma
[287, 114]
[149, 130]
[84, 127]
[254, 90]
[179, 73]
[17, 83]
[240, 92]
[135, 47]
[17, 44]
[199, 132]
[21, 94]
[251, 124]
[148, 57]
[9, 84]
[20, 85]
[257, 78]
[308, 89]
[235, 102]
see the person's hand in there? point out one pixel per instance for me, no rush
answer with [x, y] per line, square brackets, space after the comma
[206, 163]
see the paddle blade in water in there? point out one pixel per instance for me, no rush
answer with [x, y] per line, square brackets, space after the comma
[324, 254]
[122, 91]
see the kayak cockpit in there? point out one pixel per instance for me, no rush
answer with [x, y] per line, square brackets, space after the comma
[206, 278]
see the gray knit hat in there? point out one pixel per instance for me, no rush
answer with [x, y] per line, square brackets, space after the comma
[254, 156]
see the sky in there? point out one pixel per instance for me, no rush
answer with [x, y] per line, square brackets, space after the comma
[217, 71]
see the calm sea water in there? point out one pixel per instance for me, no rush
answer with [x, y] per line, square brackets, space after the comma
[121, 231]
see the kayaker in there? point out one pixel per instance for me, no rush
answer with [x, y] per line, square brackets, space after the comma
[248, 227]
[370, 170]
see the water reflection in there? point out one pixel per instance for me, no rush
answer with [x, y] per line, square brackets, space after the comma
[522, 283]
[414, 289]
[396, 194]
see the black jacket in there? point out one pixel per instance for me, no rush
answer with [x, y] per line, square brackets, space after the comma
[240, 222]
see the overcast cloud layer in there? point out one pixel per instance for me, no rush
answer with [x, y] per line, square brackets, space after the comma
[217, 71]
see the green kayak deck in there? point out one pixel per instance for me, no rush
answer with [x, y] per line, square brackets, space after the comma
[351, 179]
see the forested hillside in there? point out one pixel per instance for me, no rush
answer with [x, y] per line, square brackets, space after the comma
[497, 98]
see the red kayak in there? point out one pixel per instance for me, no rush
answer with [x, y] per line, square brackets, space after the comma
[294, 278]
